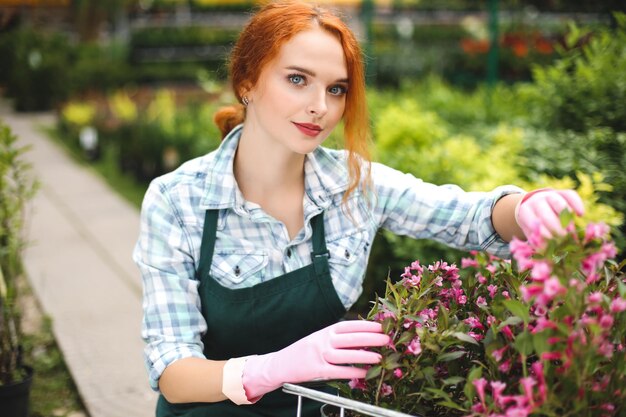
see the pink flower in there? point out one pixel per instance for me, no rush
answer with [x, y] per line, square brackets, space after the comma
[493, 289]
[386, 390]
[477, 336]
[506, 295]
[397, 373]
[481, 302]
[552, 287]
[415, 347]
[542, 324]
[528, 292]
[541, 271]
[481, 278]
[506, 330]
[491, 268]
[480, 385]
[618, 305]
[474, 323]
[468, 263]
[606, 321]
[497, 388]
[595, 297]
[537, 368]
[357, 384]
[608, 250]
[527, 384]
[607, 407]
[518, 411]
[551, 356]
[491, 320]
[606, 349]
[499, 353]
[595, 231]
[505, 366]
[592, 262]
[522, 252]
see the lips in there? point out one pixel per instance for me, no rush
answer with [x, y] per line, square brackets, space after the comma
[308, 129]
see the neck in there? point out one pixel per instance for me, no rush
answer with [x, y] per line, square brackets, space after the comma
[262, 170]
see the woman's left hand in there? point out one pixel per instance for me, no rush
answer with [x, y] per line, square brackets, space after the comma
[541, 208]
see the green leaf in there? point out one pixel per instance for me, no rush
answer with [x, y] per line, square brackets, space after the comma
[453, 380]
[540, 342]
[524, 343]
[451, 404]
[374, 372]
[465, 337]
[511, 321]
[518, 309]
[389, 306]
[450, 356]
[439, 393]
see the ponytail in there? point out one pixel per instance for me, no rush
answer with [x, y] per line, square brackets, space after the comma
[228, 117]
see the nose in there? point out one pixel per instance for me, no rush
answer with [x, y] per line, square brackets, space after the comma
[318, 106]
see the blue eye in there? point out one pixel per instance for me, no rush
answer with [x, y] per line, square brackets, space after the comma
[297, 79]
[338, 90]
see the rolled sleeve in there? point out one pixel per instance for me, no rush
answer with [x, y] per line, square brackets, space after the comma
[409, 206]
[172, 321]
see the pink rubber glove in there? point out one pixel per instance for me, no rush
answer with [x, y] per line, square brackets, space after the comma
[541, 208]
[319, 356]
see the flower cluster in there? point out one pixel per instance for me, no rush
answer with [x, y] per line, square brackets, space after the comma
[544, 334]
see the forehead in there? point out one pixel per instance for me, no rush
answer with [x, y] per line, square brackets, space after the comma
[316, 50]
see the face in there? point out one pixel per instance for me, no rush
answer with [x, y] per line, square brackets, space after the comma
[300, 95]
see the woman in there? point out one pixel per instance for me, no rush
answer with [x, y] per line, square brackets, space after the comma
[251, 254]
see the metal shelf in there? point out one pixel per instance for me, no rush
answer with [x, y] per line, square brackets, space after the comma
[342, 403]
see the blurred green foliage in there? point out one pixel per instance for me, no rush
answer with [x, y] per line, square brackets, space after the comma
[564, 129]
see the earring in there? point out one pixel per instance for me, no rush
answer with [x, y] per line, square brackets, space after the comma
[245, 101]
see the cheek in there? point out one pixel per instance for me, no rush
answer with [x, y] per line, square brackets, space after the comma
[338, 109]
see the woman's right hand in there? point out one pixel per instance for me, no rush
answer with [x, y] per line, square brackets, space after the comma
[319, 356]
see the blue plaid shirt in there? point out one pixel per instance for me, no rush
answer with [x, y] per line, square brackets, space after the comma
[253, 247]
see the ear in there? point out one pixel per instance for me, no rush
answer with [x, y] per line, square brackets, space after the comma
[245, 88]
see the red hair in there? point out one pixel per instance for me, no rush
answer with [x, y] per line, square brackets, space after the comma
[259, 43]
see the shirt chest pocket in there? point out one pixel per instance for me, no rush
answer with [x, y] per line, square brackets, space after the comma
[346, 250]
[233, 267]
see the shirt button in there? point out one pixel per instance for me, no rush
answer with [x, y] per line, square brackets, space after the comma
[289, 253]
[237, 271]
[347, 254]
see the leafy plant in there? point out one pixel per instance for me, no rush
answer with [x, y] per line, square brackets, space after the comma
[16, 187]
[544, 335]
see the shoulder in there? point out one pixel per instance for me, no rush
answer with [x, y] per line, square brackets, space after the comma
[181, 191]
[190, 174]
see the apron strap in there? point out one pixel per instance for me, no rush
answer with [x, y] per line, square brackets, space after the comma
[320, 253]
[207, 246]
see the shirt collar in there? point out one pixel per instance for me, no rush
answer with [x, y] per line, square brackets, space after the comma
[325, 175]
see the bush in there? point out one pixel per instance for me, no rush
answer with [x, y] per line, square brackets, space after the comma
[585, 88]
[16, 187]
[38, 76]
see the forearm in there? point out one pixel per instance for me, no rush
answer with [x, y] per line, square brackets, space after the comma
[193, 380]
[503, 217]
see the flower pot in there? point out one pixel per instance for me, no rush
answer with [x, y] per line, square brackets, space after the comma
[14, 397]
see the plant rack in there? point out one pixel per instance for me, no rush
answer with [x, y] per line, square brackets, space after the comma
[340, 402]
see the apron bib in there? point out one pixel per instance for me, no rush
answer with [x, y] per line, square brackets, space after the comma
[261, 319]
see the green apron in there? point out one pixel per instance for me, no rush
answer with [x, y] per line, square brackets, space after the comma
[261, 319]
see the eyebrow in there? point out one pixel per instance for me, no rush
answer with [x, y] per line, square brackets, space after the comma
[312, 74]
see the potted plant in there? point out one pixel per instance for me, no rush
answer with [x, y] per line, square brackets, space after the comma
[543, 335]
[16, 187]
